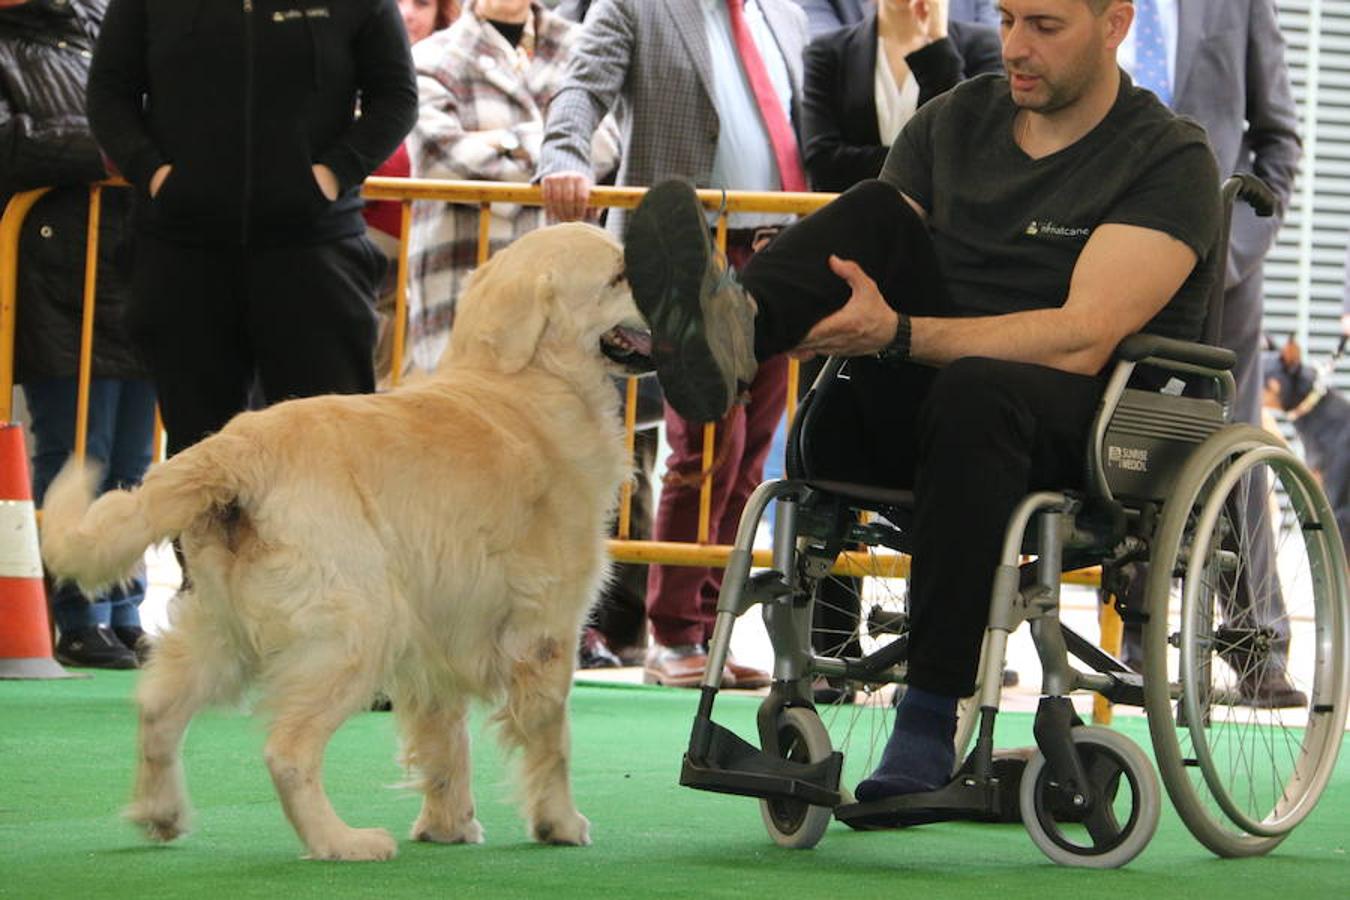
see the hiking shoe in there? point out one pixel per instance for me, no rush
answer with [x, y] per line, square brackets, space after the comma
[702, 321]
[94, 648]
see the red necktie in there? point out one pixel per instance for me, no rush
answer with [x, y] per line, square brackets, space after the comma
[781, 136]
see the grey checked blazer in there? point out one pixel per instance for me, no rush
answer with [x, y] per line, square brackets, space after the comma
[649, 61]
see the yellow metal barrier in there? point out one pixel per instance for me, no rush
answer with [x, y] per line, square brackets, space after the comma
[10, 224]
[483, 194]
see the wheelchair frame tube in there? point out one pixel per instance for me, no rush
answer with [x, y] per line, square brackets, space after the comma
[1058, 676]
[1005, 612]
[730, 601]
[787, 624]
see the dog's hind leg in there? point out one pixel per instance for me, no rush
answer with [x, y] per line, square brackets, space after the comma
[535, 719]
[311, 701]
[185, 673]
[436, 749]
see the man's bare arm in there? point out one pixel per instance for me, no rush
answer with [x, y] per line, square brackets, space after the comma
[1124, 276]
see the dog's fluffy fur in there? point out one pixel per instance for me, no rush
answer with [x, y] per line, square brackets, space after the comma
[441, 542]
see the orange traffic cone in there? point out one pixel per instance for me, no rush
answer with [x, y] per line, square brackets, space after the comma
[25, 636]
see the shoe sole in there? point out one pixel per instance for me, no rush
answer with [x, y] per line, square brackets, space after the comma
[652, 676]
[110, 665]
[666, 255]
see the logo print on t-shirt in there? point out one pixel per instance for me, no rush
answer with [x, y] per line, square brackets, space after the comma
[1035, 228]
[291, 15]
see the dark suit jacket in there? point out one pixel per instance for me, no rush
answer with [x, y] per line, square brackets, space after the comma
[824, 16]
[841, 141]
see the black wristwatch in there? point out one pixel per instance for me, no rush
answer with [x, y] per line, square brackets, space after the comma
[897, 350]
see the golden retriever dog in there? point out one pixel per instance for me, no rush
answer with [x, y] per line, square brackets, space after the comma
[441, 542]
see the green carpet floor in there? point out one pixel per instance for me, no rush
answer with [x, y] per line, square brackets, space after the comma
[65, 770]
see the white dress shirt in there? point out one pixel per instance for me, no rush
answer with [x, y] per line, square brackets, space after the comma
[744, 160]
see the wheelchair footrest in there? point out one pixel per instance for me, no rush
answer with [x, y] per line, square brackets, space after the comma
[734, 766]
[965, 798]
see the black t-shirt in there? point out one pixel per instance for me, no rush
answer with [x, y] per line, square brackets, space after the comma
[1008, 229]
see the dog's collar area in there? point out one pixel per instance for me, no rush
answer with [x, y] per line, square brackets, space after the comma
[1306, 405]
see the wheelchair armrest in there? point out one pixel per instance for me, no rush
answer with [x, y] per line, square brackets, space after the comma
[1138, 347]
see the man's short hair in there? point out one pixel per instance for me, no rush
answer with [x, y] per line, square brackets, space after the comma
[1099, 6]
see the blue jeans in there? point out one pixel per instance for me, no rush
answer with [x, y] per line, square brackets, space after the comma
[121, 427]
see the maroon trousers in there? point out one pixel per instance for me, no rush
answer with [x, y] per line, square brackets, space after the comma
[682, 600]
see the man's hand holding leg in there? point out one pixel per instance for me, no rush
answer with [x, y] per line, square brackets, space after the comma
[864, 325]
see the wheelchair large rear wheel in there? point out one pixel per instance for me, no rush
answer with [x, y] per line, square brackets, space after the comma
[1246, 677]
[793, 823]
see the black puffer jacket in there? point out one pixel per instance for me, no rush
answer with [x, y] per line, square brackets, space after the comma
[242, 97]
[45, 49]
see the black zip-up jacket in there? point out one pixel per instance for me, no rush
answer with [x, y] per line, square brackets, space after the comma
[242, 97]
[45, 141]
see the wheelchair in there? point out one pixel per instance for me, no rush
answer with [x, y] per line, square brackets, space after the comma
[1167, 474]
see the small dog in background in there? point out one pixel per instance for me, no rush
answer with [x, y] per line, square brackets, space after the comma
[441, 542]
[1320, 415]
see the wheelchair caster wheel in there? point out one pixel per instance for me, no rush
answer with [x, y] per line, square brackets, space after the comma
[1117, 826]
[793, 823]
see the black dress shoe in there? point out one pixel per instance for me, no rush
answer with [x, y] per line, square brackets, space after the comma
[94, 648]
[134, 638]
[1270, 689]
[830, 691]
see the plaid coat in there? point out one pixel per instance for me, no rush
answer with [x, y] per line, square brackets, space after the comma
[477, 94]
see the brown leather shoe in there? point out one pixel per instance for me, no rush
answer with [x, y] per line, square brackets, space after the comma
[681, 665]
[746, 677]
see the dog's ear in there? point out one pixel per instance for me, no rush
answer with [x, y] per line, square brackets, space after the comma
[501, 316]
[1291, 357]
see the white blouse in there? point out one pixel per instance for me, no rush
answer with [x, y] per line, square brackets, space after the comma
[896, 104]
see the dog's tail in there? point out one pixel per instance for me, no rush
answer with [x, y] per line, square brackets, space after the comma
[97, 543]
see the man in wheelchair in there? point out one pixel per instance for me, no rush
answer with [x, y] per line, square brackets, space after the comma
[1021, 228]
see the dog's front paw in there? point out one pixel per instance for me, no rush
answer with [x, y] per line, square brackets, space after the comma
[355, 845]
[469, 832]
[573, 830]
[159, 825]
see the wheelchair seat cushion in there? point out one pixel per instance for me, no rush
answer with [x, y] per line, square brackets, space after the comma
[865, 495]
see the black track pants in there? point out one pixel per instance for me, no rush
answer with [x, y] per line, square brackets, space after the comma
[217, 324]
[972, 438]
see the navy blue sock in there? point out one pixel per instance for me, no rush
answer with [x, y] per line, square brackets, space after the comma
[920, 753]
